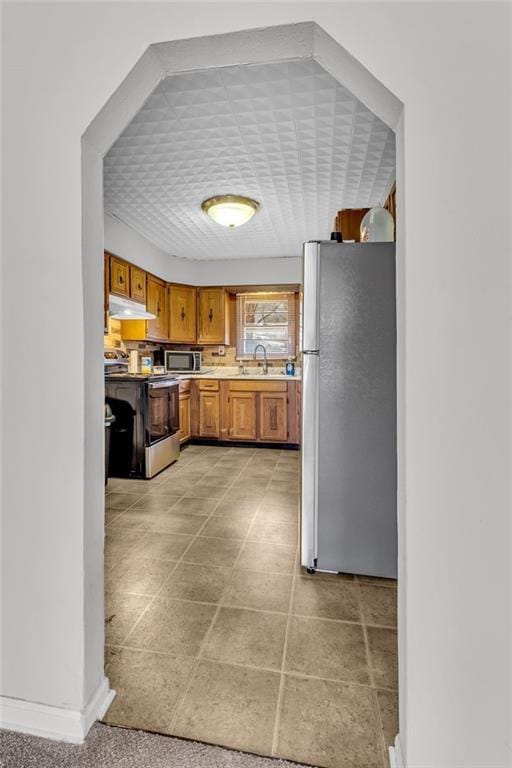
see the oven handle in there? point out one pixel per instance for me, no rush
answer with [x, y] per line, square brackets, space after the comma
[162, 384]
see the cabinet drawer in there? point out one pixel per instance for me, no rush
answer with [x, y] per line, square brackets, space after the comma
[257, 386]
[211, 384]
[184, 387]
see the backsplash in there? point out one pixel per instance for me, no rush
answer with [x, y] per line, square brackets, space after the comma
[211, 358]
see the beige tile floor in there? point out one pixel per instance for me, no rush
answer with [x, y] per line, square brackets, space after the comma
[215, 633]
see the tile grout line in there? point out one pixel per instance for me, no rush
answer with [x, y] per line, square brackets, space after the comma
[180, 703]
[380, 734]
[282, 681]
[301, 675]
[295, 575]
[373, 694]
[180, 560]
[249, 608]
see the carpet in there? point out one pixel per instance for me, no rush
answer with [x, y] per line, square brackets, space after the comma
[110, 747]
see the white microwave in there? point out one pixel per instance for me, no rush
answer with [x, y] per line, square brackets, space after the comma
[182, 361]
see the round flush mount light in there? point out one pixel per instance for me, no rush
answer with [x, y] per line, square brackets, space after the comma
[230, 210]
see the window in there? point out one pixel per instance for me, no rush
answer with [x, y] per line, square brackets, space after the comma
[268, 319]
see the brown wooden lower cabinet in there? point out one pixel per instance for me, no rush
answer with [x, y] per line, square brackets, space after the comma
[245, 410]
[184, 418]
[209, 412]
[242, 416]
[273, 414]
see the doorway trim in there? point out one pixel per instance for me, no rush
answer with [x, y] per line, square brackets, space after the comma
[160, 60]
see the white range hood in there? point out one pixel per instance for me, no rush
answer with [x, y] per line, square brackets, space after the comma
[127, 309]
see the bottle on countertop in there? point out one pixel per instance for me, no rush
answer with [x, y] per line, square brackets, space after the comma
[134, 361]
[290, 367]
[146, 364]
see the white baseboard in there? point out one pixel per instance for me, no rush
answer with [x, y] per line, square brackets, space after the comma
[55, 722]
[396, 758]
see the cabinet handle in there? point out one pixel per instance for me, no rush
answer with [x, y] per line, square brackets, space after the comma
[121, 279]
[139, 287]
[210, 315]
[273, 418]
[158, 309]
[182, 313]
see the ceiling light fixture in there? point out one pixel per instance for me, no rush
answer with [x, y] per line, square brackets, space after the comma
[230, 210]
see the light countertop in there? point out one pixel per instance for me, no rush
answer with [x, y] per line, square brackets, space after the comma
[254, 374]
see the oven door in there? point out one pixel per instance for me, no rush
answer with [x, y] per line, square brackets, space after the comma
[162, 426]
[163, 410]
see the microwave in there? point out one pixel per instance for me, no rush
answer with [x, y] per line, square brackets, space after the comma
[179, 360]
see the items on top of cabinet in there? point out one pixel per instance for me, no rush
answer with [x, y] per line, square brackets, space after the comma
[377, 226]
[347, 224]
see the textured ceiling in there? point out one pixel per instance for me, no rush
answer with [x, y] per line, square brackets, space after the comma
[287, 134]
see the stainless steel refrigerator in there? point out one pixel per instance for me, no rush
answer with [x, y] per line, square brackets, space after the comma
[349, 462]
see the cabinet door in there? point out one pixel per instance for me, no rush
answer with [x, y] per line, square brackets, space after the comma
[137, 284]
[157, 304]
[298, 410]
[273, 416]
[182, 314]
[106, 281]
[119, 277]
[184, 418]
[211, 316]
[242, 415]
[208, 414]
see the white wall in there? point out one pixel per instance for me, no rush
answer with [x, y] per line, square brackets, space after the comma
[130, 245]
[124, 241]
[248, 271]
[450, 65]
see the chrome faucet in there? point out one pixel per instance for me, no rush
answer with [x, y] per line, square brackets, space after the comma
[265, 364]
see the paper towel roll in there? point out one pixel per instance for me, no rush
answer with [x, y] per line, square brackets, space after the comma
[134, 361]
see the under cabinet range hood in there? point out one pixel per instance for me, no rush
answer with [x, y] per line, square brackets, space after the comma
[127, 309]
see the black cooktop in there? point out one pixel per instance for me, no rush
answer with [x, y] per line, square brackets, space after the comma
[138, 376]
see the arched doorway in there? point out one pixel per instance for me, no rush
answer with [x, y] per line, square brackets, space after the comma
[159, 61]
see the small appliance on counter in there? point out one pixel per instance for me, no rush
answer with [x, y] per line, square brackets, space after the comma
[184, 361]
[115, 360]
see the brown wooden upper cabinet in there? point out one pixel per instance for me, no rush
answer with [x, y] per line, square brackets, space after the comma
[212, 316]
[137, 284]
[156, 303]
[106, 289]
[182, 314]
[119, 277]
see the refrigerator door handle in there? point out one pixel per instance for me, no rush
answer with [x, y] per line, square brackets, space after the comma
[311, 297]
[309, 510]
